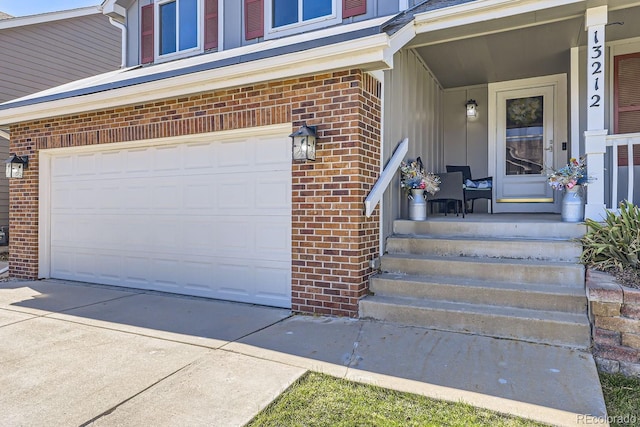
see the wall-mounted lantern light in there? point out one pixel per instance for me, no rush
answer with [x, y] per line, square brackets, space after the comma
[472, 108]
[303, 143]
[16, 166]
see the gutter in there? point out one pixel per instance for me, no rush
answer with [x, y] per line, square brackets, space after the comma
[118, 18]
[123, 29]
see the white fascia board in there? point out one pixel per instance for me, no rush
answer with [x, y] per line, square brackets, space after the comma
[402, 37]
[42, 18]
[115, 11]
[4, 134]
[369, 53]
[481, 10]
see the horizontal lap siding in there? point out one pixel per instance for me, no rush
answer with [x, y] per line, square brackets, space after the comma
[40, 56]
[332, 241]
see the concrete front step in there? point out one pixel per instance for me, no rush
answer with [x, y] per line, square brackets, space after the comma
[494, 226]
[547, 327]
[489, 269]
[569, 299]
[524, 248]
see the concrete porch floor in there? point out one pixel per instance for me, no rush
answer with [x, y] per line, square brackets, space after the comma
[82, 354]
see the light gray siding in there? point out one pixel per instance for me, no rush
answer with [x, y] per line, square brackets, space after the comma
[234, 30]
[412, 107]
[39, 56]
[233, 23]
[466, 140]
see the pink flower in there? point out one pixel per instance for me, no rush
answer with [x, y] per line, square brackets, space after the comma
[570, 184]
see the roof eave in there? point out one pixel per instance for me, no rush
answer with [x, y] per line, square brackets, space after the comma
[479, 11]
[368, 53]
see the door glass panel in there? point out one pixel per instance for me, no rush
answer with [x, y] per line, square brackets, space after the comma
[525, 136]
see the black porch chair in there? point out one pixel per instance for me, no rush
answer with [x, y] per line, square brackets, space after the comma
[481, 191]
[451, 191]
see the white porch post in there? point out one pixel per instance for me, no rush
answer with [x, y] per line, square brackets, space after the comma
[595, 147]
[595, 135]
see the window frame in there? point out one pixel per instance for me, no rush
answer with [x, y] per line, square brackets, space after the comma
[158, 28]
[272, 32]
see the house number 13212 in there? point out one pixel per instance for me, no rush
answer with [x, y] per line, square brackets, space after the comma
[596, 69]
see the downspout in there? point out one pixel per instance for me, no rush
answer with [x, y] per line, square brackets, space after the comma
[123, 29]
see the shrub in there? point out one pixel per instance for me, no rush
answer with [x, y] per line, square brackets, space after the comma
[613, 245]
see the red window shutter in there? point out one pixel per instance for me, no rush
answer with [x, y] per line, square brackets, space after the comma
[146, 34]
[353, 7]
[210, 24]
[626, 95]
[253, 19]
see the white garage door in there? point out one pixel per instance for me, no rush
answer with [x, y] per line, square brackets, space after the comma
[208, 218]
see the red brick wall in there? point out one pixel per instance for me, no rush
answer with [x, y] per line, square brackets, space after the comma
[332, 241]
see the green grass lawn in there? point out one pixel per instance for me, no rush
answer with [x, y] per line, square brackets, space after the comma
[321, 400]
[622, 396]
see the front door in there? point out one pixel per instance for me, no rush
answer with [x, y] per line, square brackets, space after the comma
[529, 139]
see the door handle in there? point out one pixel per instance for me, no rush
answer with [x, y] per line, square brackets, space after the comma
[550, 146]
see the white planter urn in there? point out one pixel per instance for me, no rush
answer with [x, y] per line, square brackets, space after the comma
[573, 204]
[417, 205]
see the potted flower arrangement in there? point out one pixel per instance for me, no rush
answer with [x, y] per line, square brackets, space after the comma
[413, 177]
[570, 179]
[567, 177]
[415, 181]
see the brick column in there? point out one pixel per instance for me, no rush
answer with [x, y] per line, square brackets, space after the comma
[332, 240]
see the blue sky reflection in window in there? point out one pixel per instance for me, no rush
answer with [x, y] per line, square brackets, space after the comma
[286, 12]
[177, 26]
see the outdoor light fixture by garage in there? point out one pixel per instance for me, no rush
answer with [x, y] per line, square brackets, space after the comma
[16, 165]
[303, 143]
[472, 108]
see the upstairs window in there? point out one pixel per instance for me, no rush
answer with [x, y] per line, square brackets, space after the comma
[287, 12]
[277, 18]
[175, 28]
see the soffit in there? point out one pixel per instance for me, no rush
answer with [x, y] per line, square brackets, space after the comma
[516, 47]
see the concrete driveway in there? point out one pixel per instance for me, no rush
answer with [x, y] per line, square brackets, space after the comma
[75, 354]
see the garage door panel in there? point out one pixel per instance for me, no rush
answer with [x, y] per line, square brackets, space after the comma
[165, 158]
[62, 166]
[199, 156]
[235, 234]
[111, 163]
[234, 156]
[198, 197]
[209, 219]
[136, 271]
[236, 195]
[271, 151]
[166, 197]
[272, 194]
[111, 197]
[273, 239]
[85, 165]
[138, 161]
[273, 272]
[109, 268]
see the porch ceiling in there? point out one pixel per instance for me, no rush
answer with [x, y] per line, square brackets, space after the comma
[498, 50]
